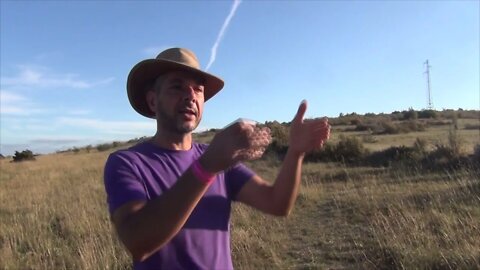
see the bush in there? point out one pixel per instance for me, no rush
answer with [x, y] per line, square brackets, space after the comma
[411, 114]
[327, 153]
[389, 128]
[103, 147]
[23, 156]
[400, 154]
[279, 132]
[396, 115]
[393, 154]
[427, 114]
[386, 126]
[412, 125]
[347, 149]
[356, 121]
[137, 140]
[279, 145]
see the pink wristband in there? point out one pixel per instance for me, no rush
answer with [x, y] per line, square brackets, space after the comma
[201, 174]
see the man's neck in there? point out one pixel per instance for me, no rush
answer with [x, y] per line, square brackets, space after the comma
[173, 141]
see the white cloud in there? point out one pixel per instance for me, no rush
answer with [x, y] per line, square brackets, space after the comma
[7, 96]
[213, 55]
[15, 104]
[58, 140]
[110, 127]
[9, 109]
[41, 77]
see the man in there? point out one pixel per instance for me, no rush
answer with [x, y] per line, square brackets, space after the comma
[169, 197]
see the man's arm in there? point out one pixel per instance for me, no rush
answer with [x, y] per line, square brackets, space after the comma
[279, 198]
[145, 227]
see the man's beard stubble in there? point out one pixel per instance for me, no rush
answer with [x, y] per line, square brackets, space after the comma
[172, 124]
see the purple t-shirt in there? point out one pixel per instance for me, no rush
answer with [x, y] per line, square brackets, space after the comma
[145, 171]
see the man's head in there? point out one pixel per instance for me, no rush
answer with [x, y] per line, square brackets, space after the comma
[177, 98]
[155, 72]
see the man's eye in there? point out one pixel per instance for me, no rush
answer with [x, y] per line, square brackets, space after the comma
[199, 89]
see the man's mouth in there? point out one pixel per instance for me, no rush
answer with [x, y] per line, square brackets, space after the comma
[188, 112]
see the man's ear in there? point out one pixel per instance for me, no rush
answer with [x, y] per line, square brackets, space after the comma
[151, 101]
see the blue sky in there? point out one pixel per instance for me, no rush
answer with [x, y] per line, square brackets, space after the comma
[64, 63]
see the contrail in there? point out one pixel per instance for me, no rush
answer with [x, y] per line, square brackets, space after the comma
[235, 5]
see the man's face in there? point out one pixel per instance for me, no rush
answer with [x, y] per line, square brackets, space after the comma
[179, 101]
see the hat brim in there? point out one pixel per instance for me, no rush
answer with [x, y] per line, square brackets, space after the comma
[143, 75]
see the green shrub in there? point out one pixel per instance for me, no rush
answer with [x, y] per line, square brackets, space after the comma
[279, 132]
[396, 115]
[279, 146]
[88, 148]
[356, 121]
[348, 149]
[393, 154]
[411, 114]
[326, 153]
[412, 125]
[389, 128]
[23, 156]
[427, 114]
[103, 147]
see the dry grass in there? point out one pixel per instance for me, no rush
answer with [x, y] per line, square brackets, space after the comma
[53, 215]
[368, 219]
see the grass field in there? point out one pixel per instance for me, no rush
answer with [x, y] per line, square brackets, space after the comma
[53, 215]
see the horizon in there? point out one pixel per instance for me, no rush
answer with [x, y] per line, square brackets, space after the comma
[63, 65]
[71, 147]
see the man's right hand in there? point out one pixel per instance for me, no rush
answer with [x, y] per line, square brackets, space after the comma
[238, 142]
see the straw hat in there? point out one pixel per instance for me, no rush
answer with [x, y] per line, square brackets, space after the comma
[143, 75]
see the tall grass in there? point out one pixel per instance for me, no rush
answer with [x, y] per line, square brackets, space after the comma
[363, 218]
[53, 216]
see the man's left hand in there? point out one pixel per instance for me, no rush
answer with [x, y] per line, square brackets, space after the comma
[309, 135]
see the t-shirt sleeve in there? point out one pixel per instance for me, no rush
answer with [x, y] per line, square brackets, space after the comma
[122, 184]
[235, 178]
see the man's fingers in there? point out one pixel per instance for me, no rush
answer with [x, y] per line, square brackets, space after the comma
[301, 112]
[251, 154]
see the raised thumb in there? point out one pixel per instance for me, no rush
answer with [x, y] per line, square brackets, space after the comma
[301, 111]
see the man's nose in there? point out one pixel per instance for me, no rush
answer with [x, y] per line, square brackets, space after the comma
[189, 93]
